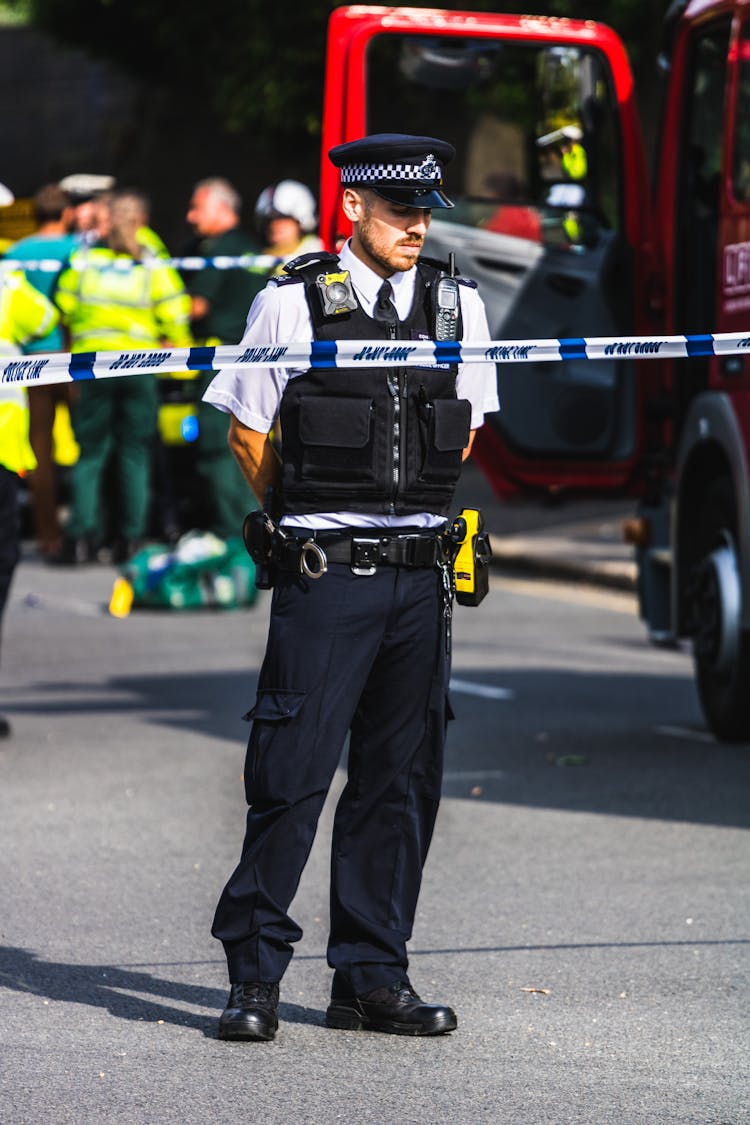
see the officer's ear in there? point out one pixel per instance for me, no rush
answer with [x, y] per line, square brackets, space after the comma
[353, 204]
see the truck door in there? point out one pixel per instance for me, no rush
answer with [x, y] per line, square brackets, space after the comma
[703, 218]
[550, 191]
[694, 215]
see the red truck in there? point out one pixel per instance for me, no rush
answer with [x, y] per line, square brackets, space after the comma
[569, 236]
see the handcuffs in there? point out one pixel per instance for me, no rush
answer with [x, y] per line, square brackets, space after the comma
[261, 535]
[310, 547]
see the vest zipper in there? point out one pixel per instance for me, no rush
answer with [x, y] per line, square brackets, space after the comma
[394, 380]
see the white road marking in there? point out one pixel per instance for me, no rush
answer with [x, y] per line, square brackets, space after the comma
[685, 732]
[484, 691]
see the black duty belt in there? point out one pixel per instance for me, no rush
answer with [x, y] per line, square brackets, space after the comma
[363, 552]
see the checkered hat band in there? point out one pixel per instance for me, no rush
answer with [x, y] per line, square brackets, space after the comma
[391, 173]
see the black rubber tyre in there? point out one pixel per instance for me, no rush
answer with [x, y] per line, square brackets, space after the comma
[724, 693]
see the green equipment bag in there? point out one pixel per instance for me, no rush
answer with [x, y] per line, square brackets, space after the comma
[201, 571]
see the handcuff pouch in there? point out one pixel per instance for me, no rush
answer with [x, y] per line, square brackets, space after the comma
[257, 536]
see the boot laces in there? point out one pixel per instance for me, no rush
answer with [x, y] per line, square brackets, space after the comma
[257, 992]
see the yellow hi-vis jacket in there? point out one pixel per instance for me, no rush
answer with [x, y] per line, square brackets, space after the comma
[110, 302]
[574, 162]
[24, 314]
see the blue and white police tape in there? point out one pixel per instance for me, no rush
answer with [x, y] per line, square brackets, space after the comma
[58, 367]
[258, 263]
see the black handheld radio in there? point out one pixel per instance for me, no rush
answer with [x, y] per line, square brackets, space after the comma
[447, 305]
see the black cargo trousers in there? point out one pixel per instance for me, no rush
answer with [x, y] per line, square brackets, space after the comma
[365, 654]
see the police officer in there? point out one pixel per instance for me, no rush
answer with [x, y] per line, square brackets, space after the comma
[85, 190]
[358, 640]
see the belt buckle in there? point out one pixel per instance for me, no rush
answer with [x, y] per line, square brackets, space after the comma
[418, 550]
[410, 547]
[365, 555]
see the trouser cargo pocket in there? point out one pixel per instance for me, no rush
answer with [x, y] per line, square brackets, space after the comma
[270, 749]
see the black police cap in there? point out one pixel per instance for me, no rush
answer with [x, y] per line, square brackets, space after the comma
[399, 167]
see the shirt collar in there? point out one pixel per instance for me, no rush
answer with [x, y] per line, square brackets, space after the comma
[367, 283]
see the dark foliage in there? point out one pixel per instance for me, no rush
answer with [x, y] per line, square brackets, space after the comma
[260, 64]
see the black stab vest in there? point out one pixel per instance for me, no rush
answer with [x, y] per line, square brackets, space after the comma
[368, 439]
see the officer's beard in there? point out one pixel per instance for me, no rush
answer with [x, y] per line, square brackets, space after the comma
[385, 254]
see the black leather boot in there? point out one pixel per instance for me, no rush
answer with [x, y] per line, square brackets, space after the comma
[395, 1009]
[251, 1011]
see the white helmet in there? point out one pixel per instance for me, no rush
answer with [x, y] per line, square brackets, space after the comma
[288, 199]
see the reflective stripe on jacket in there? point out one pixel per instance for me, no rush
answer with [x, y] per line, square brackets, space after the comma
[107, 308]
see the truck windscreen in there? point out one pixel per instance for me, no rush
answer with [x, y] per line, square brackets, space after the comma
[537, 222]
[533, 126]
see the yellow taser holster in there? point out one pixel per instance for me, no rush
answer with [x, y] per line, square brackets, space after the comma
[471, 569]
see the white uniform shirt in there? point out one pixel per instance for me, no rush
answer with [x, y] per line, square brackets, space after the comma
[280, 314]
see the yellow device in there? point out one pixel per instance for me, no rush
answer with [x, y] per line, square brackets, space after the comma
[471, 569]
[122, 598]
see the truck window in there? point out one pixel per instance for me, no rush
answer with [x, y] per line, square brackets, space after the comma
[538, 221]
[533, 128]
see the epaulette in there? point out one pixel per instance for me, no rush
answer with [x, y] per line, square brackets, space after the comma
[469, 282]
[434, 263]
[322, 256]
[281, 280]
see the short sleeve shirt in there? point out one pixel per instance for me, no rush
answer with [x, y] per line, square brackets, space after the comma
[280, 314]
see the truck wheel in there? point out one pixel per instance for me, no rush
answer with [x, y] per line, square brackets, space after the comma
[721, 649]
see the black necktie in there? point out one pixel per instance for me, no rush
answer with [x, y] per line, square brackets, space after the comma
[385, 310]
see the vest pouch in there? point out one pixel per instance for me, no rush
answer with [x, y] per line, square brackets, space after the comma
[444, 428]
[336, 435]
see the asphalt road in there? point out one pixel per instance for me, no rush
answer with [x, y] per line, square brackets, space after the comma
[585, 906]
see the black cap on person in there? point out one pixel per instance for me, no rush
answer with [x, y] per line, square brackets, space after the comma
[398, 167]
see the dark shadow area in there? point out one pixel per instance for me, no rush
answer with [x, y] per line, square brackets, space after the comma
[612, 743]
[104, 986]
[213, 703]
[604, 742]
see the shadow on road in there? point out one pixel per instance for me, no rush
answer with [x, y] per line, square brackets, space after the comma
[111, 988]
[606, 742]
[212, 703]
